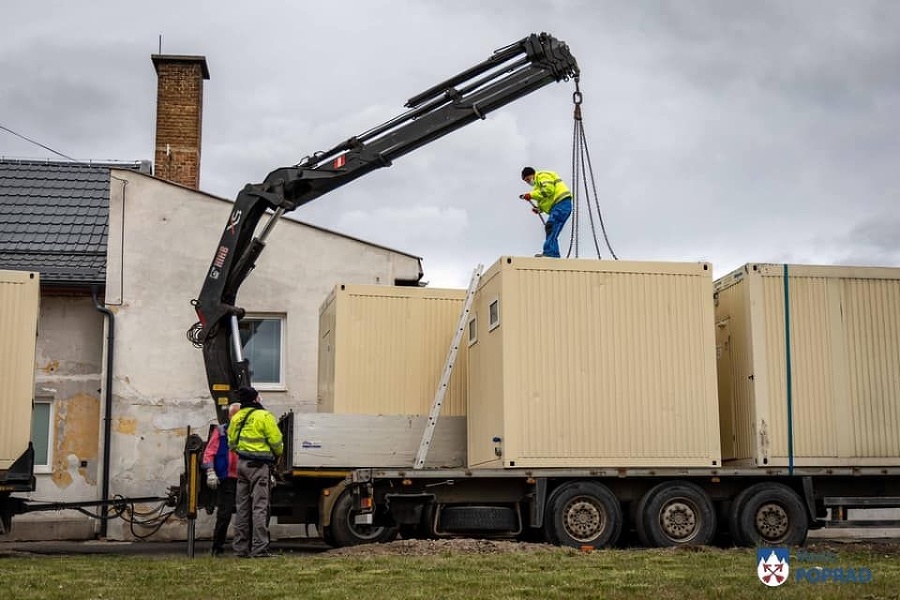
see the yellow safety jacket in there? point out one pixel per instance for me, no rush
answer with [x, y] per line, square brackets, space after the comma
[548, 189]
[257, 439]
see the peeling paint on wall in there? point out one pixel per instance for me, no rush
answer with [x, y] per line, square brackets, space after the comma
[125, 425]
[77, 433]
[50, 367]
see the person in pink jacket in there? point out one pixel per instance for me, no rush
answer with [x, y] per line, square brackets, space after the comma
[221, 465]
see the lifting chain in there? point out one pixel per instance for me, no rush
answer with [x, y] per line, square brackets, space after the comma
[582, 173]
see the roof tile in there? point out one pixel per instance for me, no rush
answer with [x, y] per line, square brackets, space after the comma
[53, 218]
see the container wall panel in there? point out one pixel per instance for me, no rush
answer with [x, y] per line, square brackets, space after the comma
[605, 364]
[387, 348]
[485, 421]
[734, 368]
[873, 355]
[842, 348]
[19, 302]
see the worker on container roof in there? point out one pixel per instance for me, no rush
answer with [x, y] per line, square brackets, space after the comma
[551, 196]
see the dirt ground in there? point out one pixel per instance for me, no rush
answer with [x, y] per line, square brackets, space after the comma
[889, 547]
[442, 546]
[437, 547]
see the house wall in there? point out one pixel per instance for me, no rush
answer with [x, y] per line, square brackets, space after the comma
[161, 241]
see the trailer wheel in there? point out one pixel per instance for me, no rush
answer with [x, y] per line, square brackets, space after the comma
[734, 515]
[345, 532]
[773, 514]
[676, 513]
[583, 513]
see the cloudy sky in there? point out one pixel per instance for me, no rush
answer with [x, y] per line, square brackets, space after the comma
[724, 131]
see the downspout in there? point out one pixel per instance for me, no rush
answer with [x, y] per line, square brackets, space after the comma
[107, 411]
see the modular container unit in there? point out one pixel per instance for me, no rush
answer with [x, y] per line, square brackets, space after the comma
[809, 365]
[19, 302]
[382, 350]
[590, 363]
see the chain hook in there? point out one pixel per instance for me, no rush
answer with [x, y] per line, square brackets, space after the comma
[577, 98]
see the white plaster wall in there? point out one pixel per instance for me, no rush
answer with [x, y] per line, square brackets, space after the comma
[161, 241]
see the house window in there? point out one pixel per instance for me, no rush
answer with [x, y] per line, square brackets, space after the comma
[494, 314]
[263, 341]
[42, 434]
[473, 330]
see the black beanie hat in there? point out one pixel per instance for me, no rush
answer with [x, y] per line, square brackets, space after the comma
[247, 396]
[527, 171]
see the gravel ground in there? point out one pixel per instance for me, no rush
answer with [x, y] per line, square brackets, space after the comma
[442, 546]
[890, 547]
[437, 547]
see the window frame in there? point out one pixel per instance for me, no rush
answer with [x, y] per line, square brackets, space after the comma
[472, 330]
[281, 384]
[43, 469]
[493, 324]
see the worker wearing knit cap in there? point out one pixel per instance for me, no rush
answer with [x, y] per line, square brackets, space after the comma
[255, 437]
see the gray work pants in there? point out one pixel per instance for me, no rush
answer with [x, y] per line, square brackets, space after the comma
[251, 523]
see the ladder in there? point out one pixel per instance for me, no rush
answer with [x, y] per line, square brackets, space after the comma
[438, 401]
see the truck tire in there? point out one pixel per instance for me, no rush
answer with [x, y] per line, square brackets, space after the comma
[478, 518]
[344, 532]
[773, 514]
[583, 513]
[734, 515]
[676, 513]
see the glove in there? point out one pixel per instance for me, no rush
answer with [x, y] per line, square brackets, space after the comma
[212, 480]
[525, 196]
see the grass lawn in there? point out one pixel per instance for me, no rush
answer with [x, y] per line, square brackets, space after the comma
[554, 573]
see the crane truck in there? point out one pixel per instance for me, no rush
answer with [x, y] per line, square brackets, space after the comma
[358, 503]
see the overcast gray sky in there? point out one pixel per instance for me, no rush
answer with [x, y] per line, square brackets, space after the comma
[724, 131]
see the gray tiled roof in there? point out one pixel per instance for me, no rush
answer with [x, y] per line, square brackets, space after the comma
[53, 219]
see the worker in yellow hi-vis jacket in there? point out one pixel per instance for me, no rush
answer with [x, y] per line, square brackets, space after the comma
[254, 435]
[552, 196]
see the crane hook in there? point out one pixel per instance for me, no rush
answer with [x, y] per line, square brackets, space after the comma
[577, 99]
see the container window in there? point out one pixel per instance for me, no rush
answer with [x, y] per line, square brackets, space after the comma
[473, 330]
[262, 338]
[42, 434]
[494, 314]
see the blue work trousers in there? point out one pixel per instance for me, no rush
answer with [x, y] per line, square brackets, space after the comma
[557, 218]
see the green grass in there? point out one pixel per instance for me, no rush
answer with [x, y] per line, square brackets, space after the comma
[658, 574]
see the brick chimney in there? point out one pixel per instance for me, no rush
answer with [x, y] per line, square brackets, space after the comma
[179, 117]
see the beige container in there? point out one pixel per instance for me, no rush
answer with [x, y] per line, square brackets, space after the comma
[382, 350]
[589, 363]
[844, 365]
[19, 302]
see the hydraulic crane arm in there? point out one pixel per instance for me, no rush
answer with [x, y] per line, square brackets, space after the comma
[510, 73]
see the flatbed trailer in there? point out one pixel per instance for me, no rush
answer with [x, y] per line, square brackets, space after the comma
[593, 507]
